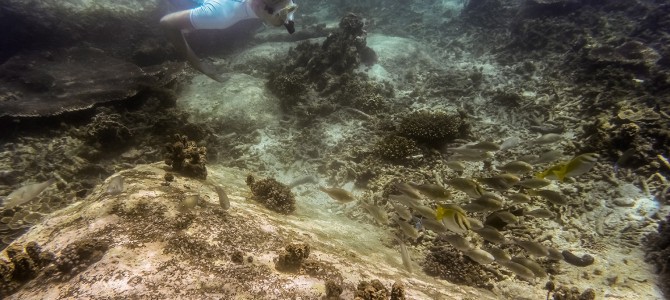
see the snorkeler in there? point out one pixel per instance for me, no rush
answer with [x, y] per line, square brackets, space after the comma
[221, 14]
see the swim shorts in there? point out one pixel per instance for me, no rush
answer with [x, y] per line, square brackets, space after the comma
[220, 14]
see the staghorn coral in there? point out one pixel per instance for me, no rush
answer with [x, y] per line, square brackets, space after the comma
[186, 157]
[273, 194]
[432, 128]
[291, 258]
[395, 148]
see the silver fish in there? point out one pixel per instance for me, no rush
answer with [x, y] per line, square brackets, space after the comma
[223, 197]
[491, 234]
[407, 229]
[406, 200]
[408, 190]
[533, 248]
[475, 224]
[547, 139]
[487, 203]
[516, 167]
[533, 183]
[554, 254]
[480, 256]
[404, 254]
[303, 180]
[549, 156]
[485, 146]
[540, 213]
[115, 185]
[402, 211]
[551, 196]
[338, 194]
[474, 155]
[457, 241]
[467, 186]
[510, 143]
[506, 217]
[518, 269]
[534, 267]
[26, 193]
[432, 191]
[425, 211]
[501, 182]
[519, 198]
[378, 213]
[455, 165]
[434, 226]
[499, 254]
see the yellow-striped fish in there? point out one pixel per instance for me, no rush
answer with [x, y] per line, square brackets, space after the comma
[453, 217]
[577, 166]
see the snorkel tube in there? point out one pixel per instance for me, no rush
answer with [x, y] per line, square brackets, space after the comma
[289, 24]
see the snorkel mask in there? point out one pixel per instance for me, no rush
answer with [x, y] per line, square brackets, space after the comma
[285, 14]
[288, 22]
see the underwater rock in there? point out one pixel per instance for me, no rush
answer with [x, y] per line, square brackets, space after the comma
[273, 194]
[78, 255]
[186, 157]
[71, 80]
[290, 259]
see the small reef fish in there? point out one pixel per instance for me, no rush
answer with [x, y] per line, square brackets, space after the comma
[402, 211]
[474, 207]
[434, 226]
[407, 229]
[491, 234]
[534, 183]
[404, 254]
[499, 254]
[540, 213]
[406, 200]
[455, 165]
[480, 256]
[115, 185]
[500, 182]
[425, 211]
[579, 165]
[534, 267]
[472, 155]
[378, 213]
[467, 186]
[338, 194]
[26, 193]
[516, 167]
[549, 156]
[432, 191]
[457, 241]
[519, 198]
[551, 196]
[484, 146]
[533, 248]
[223, 197]
[303, 180]
[506, 217]
[554, 254]
[190, 202]
[408, 190]
[488, 203]
[547, 139]
[453, 217]
[475, 224]
[510, 143]
[519, 270]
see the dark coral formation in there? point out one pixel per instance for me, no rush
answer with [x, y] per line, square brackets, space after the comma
[395, 148]
[107, 131]
[24, 264]
[333, 290]
[77, 256]
[187, 157]
[291, 258]
[565, 293]
[658, 253]
[432, 128]
[273, 194]
[449, 264]
[375, 290]
[317, 79]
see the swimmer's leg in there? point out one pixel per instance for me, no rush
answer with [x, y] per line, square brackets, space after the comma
[173, 24]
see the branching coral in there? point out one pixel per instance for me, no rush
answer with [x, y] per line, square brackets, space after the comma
[273, 194]
[186, 157]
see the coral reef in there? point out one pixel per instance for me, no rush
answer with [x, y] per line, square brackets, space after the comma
[24, 264]
[373, 290]
[187, 157]
[291, 258]
[395, 148]
[333, 290]
[273, 194]
[78, 255]
[107, 132]
[564, 293]
[658, 252]
[448, 264]
[432, 128]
